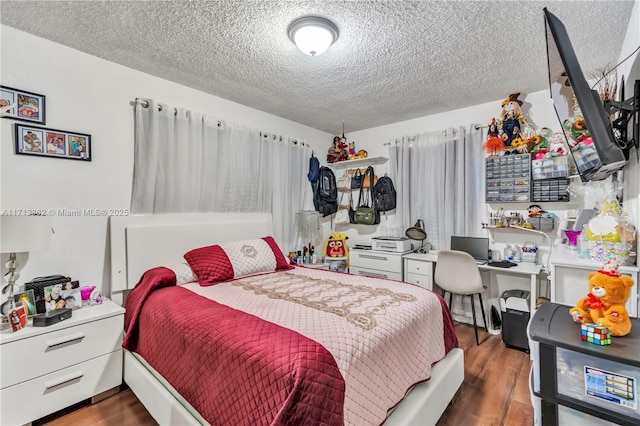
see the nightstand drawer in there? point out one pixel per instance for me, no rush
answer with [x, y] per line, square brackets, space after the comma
[419, 279]
[418, 267]
[46, 353]
[381, 261]
[44, 395]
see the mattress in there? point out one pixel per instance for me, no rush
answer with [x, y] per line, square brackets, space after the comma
[296, 346]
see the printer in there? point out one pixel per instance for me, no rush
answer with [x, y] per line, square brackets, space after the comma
[394, 244]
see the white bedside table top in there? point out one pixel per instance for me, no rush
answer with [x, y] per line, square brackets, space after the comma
[432, 256]
[79, 316]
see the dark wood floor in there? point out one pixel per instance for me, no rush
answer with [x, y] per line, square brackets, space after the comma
[495, 392]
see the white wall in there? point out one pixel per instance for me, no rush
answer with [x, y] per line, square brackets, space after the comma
[91, 95]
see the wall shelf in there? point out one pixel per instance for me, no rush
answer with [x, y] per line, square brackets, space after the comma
[347, 164]
[519, 228]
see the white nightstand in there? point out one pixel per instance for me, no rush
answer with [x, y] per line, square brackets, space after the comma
[418, 269]
[45, 369]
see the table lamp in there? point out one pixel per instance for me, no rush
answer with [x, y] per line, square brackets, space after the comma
[417, 232]
[20, 234]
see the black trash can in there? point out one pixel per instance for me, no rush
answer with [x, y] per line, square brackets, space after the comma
[515, 307]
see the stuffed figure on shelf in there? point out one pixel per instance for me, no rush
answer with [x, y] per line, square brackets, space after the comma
[494, 144]
[511, 120]
[605, 304]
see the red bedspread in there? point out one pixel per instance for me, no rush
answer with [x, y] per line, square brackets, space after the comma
[244, 371]
[236, 367]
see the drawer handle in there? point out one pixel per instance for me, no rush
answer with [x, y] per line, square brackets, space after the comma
[372, 274]
[65, 339]
[369, 256]
[74, 375]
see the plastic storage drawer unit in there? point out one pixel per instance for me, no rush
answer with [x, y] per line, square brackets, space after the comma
[581, 379]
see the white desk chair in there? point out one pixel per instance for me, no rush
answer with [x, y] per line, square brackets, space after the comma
[457, 272]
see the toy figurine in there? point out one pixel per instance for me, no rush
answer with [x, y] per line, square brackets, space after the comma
[352, 150]
[511, 119]
[333, 153]
[342, 151]
[494, 144]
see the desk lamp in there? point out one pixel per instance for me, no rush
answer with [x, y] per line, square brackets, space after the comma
[20, 234]
[417, 232]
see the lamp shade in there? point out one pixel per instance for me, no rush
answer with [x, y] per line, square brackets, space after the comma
[313, 35]
[24, 233]
[417, 232]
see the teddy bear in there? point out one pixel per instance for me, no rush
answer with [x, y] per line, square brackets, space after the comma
[605, 303]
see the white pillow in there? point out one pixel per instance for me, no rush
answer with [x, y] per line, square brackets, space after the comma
[184, 273]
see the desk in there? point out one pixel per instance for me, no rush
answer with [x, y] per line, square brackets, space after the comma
[425, 264]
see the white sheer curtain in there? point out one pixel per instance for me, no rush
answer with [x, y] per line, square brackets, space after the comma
[186, 162]
[441, 177]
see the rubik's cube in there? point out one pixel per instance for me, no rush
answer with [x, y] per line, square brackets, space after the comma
[594, 333]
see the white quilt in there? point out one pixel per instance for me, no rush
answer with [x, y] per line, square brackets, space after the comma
[384, 335]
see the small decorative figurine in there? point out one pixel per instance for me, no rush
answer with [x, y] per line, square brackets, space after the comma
[333, 152]
[511, 120]
[494, 144]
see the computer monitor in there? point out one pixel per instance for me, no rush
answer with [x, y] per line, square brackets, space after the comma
[477, 247]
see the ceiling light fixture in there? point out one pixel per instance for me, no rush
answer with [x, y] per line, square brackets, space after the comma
[313, 35]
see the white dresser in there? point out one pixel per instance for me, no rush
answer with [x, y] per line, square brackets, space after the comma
[376, 263]
[418, 269]
[46, 369]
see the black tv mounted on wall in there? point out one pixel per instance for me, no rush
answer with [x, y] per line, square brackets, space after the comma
[604, 149]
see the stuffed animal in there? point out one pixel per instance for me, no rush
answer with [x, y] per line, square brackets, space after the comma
[343, 153]
[336, 245]
[556, 145]
[605, 303]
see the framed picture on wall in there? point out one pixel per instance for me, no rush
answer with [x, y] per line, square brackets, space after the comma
[52, 143]
[22, 105]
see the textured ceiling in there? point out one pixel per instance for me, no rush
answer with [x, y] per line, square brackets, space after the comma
[393, 61]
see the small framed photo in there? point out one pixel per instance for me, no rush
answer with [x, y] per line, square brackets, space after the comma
[22, 105]
[28, 300]
[52, 143]
[18, 318]
[63, 295]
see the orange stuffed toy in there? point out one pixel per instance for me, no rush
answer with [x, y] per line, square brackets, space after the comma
[605, 303]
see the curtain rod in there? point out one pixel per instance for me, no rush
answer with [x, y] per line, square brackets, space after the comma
[145, 104]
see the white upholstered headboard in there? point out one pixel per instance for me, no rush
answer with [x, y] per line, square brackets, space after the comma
[141, 242]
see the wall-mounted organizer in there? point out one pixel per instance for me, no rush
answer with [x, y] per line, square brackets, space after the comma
[547, 168]
[508, 178]
[550, 190]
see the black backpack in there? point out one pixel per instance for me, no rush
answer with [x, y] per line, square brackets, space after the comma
[384, 194]
[325, 192]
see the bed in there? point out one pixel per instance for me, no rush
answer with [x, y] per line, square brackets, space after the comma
[369, 371]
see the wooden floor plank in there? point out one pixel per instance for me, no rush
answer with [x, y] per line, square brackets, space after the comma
[495, 392]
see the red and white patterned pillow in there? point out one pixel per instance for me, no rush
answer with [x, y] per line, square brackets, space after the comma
[235, 259]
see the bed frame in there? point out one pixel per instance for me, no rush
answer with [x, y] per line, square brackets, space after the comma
[141, 242]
